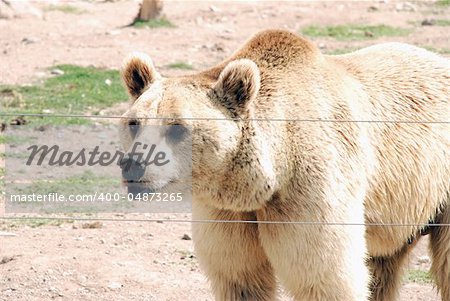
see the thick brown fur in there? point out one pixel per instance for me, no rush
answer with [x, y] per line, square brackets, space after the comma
[387, 273]
[440, 250]
[318, 162]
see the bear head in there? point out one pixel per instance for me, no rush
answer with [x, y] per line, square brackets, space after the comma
[205, 124]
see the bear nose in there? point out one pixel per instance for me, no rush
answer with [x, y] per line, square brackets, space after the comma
[132, 170]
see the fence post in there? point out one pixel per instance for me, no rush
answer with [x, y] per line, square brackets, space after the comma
[150, 9]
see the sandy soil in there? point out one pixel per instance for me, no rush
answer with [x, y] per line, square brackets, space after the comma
[147, 260]
[120, 261]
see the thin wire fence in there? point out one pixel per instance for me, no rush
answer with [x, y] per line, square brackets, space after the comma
[225, 119]
[306, 223]
[207, 221]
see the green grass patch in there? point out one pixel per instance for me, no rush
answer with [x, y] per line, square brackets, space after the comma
[443, 2]
[418, 276]
[348, 50]
[443, 22]
[354, 32]
[180, 65]
[15, 140]
[437, 50]
[31, 222]
[86, 183]
[2, 181]
[154, 23]
[65, 8]
[78, 91]
[341, 51]
[438, 22]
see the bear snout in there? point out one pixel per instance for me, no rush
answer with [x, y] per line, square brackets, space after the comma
[132, 170]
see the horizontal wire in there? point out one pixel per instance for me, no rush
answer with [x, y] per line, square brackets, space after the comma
[228, 221]
[223, 119]
[222, 221]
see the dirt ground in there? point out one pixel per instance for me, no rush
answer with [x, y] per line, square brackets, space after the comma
[148, 260]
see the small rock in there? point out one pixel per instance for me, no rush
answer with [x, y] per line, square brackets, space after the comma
[428, 22]
[219, 47]
[6, 12]
[186, 237]
[18, 121]
[41, 74]
[372, 8]
[108, 82]
[368, 34]
[214, 9]
[47, 111]
[42, 128]
[199, 20]
[94, 225]
[406, 7]
[113, 32]
[7, 259]
[57, 72]
[114, 285]
[28, 41]
[81, 279]
[19, 9]
[225, 37]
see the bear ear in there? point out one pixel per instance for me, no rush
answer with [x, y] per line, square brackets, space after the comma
[138, 73]
[238, 84]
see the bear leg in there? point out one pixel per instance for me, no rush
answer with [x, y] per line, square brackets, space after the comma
[440, 252]
[387, 272]
[316, 273]
[232, 257]
[315, 262]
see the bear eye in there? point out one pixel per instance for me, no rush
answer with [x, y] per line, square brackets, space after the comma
[176, 132]
[134, 125]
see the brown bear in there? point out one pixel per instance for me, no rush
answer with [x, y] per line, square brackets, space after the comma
[336, 163]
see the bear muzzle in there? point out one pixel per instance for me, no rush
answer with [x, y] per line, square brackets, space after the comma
[132, 173]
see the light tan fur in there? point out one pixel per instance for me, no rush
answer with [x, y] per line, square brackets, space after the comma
[308, 171]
